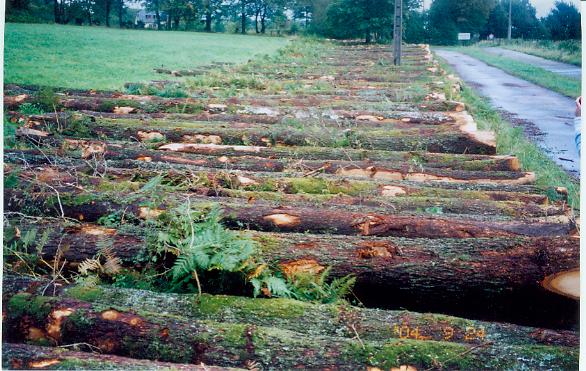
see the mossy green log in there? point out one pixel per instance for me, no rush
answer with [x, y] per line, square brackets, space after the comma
[156, 336]
[27, 357]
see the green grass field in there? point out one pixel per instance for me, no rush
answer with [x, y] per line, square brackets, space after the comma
[550, 80]
[101, 58]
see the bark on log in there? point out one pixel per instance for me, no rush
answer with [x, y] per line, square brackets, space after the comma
[267, 216]
[452, 268]
[359, 169]
[292, 182]
[203, 185]
[148, 335]
[266, 100]
[460, 137]
[336, 320]
[453, 161]
[29, 357]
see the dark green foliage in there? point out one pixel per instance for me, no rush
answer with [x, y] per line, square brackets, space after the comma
[563, 22]
[310, 287]
[525, 22]
[30, 109]
[46, 100]
[368, 19]
[447, 18]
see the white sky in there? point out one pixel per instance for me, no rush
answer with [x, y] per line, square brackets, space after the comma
[543, 6]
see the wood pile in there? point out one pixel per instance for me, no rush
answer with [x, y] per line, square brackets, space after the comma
[370, 171]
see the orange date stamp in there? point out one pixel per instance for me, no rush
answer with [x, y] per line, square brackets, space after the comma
[445, 333]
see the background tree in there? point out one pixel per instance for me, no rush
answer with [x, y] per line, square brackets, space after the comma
[447, 18]
[563, 22]
[368, 19]
[525, 22]
[498, 21]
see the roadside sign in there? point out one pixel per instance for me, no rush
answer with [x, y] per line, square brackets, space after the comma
[464, 36]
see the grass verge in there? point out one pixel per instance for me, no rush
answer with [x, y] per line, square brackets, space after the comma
[512, 141]
[106, 58]
[567, 51]
[550, 80]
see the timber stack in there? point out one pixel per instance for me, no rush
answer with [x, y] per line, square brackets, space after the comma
[336, 166]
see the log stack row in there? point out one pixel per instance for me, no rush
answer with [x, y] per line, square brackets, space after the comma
[341, 161]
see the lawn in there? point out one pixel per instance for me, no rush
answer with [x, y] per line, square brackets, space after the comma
[550, 80]
[102, 58]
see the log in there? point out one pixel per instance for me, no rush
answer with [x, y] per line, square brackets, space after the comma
[336, 320]
[265, 216]
[147, 335]
[453, 161]
[565, 283]
[414, 159]
[28, 357]
[299, 100]
[459, 137]
[360, 169]
[454, 268]
[215, 185]
[290, 183]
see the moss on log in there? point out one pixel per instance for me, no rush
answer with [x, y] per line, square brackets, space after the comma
[142, 334]
[452, 268]
[336, 320]
[32, 357]
[266, 216]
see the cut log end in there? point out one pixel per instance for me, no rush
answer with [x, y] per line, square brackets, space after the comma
[565, 283]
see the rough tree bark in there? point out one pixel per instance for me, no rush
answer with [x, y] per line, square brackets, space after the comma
[147, 335]
[291, 182]
[441, 267]
[267, 216]
[337, 320]
[234, 186]
[28, 357]
[359, 169]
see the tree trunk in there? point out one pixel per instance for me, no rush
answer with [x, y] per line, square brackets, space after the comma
[56, 11]
[158, 16]
[256, 20]
[368, 170]
[441, 267]
[267, 216]
[27, 357]
[243, 16]
[122, 332]
[208, 21]
[296, 182]
[263, 17]
[449, 138]
[305, 191]
[336, 320]
[120, 4]
[107, 4]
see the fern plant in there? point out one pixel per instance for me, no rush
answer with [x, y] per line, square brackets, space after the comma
[203, 244]
[315, 287]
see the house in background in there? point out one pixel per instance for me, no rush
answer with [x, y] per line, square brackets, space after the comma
[148, 19]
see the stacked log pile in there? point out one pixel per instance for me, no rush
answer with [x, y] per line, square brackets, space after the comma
[357, 175]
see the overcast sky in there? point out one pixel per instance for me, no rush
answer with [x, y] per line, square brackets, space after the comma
[543, 6]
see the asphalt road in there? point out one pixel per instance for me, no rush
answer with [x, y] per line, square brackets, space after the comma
[563, 69]
[546, 116]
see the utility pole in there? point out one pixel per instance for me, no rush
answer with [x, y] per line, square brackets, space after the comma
[510, 31]
[397, 32]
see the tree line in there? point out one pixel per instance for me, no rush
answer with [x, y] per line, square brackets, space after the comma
[370, 20]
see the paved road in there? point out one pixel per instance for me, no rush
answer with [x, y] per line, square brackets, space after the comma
[546, 116]
[563, 69]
